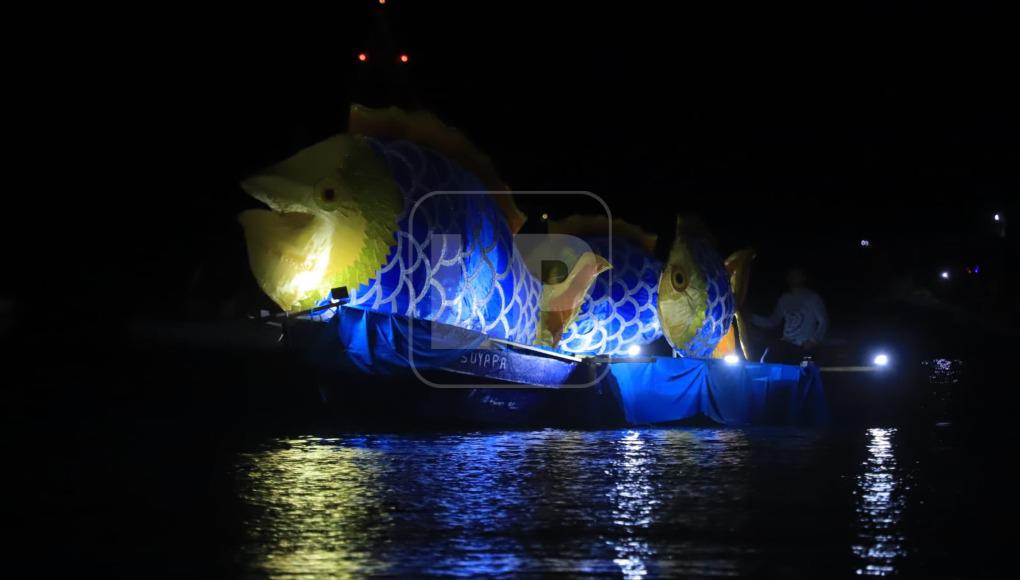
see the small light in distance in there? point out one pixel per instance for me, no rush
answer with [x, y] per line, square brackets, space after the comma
[881, 360]
[545, 216]
[634, 350]
[731, 359]
[362, 56]
[944, 275]
[403, 58]
[865, 243]
[997, 217]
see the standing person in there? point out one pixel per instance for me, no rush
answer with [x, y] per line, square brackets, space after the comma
[805, 320]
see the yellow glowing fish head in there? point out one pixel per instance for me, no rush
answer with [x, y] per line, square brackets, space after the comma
[332, 215]
[683, 290]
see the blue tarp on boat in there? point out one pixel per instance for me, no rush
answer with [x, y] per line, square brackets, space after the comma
[662, 390]
[674, 389]
[384, 344]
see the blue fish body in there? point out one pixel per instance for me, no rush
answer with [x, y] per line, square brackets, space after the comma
[454, 260]
[620, 309]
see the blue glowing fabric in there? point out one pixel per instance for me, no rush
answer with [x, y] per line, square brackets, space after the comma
[668, 390]
[380, 344]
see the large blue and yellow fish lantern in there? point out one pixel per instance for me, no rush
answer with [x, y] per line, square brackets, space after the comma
[360, 210]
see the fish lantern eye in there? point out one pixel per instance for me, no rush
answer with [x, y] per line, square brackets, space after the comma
[327, 196]
[679, 281]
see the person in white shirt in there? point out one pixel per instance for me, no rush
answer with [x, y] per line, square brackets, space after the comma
[804, 318]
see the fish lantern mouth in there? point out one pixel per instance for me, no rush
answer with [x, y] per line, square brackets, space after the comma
[331, 221]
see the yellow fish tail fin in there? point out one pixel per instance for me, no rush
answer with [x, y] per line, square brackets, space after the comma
[738, 264]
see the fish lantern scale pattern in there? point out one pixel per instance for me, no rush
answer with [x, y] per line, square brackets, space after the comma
[454, 260]
[620, 309]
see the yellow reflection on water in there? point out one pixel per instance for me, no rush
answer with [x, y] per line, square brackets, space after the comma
[317, 509]
[880, 503]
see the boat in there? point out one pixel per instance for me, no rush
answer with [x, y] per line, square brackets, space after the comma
[382, 369]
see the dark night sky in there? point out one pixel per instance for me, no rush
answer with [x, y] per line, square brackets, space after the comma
[797, 130]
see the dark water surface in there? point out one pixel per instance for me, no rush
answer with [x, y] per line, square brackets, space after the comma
[192, 471]
[696, 501]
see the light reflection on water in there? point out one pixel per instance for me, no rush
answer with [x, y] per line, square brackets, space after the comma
[880, 504]
[633, 497]
[320, 503]
[632, 503]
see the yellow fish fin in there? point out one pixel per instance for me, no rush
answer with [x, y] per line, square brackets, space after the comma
[561, 300]
[726, 346]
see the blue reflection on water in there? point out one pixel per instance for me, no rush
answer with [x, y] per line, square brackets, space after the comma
[880, 503]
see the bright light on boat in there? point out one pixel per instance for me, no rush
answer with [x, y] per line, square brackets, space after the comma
[634, 350]
[881, 360]
[731, 359]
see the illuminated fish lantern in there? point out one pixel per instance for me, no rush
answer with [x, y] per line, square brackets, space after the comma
[692, 300]
[358, 210]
